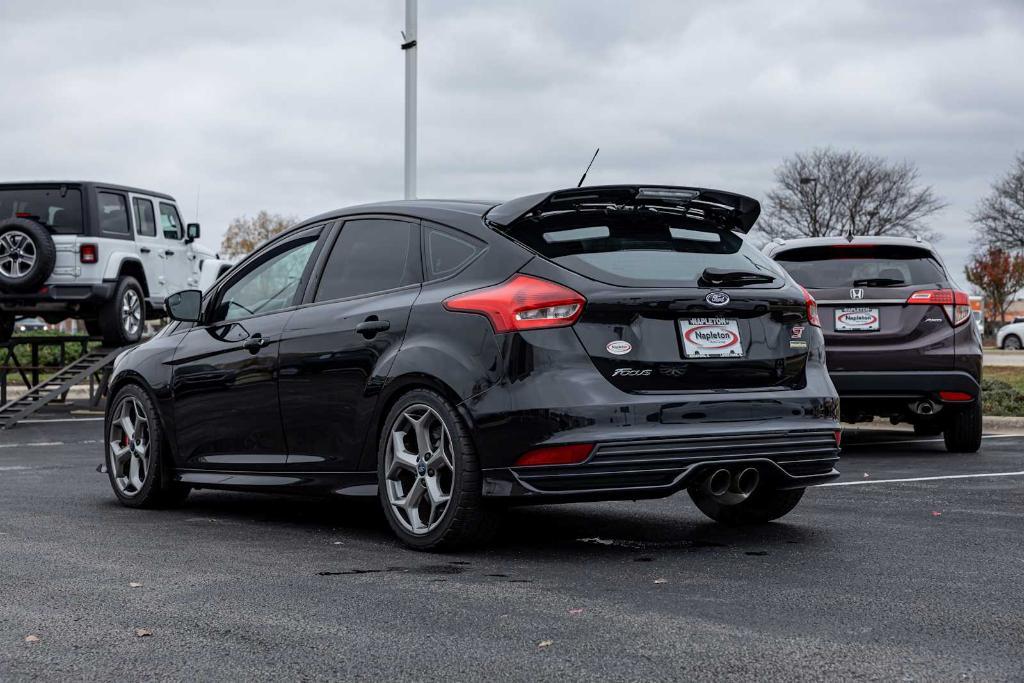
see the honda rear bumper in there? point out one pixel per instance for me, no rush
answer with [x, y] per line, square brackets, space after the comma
[909, 385]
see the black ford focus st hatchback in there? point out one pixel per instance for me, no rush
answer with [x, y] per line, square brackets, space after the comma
[454, 357]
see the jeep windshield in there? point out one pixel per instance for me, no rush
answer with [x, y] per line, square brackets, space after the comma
[843, 265]
[58, 209]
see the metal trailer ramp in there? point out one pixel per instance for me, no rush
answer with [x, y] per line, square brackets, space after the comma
[95, 361]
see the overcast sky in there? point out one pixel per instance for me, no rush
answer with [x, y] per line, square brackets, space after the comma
[296, 107]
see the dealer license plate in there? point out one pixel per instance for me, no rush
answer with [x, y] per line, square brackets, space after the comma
[711, 338]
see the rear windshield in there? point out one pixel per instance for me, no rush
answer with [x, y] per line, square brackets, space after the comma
[61, 211]
[641, 251]
[861, 266]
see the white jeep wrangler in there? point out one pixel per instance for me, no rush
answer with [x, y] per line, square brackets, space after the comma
[105, 253]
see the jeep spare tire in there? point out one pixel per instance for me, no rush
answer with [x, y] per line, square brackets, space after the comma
[27, 255]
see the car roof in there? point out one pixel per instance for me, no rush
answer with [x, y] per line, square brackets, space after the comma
[778, 246]
[85, 184]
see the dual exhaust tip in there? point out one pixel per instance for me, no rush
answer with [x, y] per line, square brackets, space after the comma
[740, 484]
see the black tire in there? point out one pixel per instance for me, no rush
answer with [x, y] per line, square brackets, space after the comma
[158, 487]
[963, 429]
[467, 519]
[25, 244]
[92, 328]
[763, 505]
[930, 428]
[115, 330]
[6, 327]
[1012, 343]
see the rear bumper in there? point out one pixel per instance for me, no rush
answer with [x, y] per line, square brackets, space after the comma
[58, 297]
[910, 385]
[655, 468]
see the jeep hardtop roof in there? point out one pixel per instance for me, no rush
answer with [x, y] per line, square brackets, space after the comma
[83, 184]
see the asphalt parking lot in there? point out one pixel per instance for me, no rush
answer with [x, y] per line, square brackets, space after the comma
[871, 578]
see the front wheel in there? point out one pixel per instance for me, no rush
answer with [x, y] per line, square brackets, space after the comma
[429, 476]
[136, 458]
[1012, 343]
[963, 430]
[121, 318]
[763, 505]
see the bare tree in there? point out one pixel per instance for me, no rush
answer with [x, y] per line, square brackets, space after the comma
[999, 217]
[826, 193]
[245, 234]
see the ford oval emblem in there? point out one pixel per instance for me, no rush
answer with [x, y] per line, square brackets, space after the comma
[619, 348]
[717, 298]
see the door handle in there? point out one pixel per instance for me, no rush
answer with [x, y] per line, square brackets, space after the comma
[371, 326]
[254, 343]
[145, 250]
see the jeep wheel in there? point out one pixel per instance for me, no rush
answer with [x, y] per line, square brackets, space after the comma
[121, 318]
[6, 327]
[27, 255]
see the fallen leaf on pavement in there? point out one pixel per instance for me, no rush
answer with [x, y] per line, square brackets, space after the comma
[134, 584]
[576, 610]
[866, 475]
[936, 513]
[142, 632]
[32, 639]
[545, 643]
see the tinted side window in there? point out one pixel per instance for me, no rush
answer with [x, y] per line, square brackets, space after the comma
[170, 221]
[371, 255]
[145, 220]
[113, 210]
[446, 252]
[268, 287]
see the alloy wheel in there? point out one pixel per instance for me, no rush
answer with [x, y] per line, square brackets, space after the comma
[1012, 344]
[17, 254]
[419, 468]
[129, 442]
[131, 312]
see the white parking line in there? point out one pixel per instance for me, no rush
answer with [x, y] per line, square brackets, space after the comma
[866, 444]
[61, 419]
[945, 476]
[35, 443]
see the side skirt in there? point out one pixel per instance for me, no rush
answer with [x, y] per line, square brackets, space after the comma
[347, 484]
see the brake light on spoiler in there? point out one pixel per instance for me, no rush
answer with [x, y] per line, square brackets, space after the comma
[522, 303]
[957, 305]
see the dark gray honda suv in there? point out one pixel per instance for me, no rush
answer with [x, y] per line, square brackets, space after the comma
[897, 334]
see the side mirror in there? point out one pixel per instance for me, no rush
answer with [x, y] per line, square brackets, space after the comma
[191, 232]
[185, 306]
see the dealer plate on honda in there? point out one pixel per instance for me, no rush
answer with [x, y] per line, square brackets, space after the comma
[857, 320]
[711, 338]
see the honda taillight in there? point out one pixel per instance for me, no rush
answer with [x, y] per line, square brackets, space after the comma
[957, 305]
[556, 455]
[88, 253]
[522, 303]
[812, 308]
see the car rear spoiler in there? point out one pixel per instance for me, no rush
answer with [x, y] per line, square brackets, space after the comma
[731, 211]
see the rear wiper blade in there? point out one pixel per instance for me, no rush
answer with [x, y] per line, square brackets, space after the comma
[717, 277]
[878, 282]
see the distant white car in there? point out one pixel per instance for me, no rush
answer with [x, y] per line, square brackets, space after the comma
[1011, 337]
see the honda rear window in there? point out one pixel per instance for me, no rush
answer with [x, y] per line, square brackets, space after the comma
[862, 266]
[640, 250]
[59, 210]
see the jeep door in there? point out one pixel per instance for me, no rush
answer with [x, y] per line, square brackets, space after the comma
[338, 349]
[224, 372]
[151, 250]
[177, 265]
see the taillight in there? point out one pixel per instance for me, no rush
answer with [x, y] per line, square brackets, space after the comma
[556, 455]
[522, 303]
[839, 438]
[957, 305]
[812, 308]
[88, 253]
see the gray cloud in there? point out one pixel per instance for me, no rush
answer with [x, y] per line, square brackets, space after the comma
[297, 108]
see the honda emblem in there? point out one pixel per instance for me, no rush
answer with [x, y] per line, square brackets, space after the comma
[857, 293]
